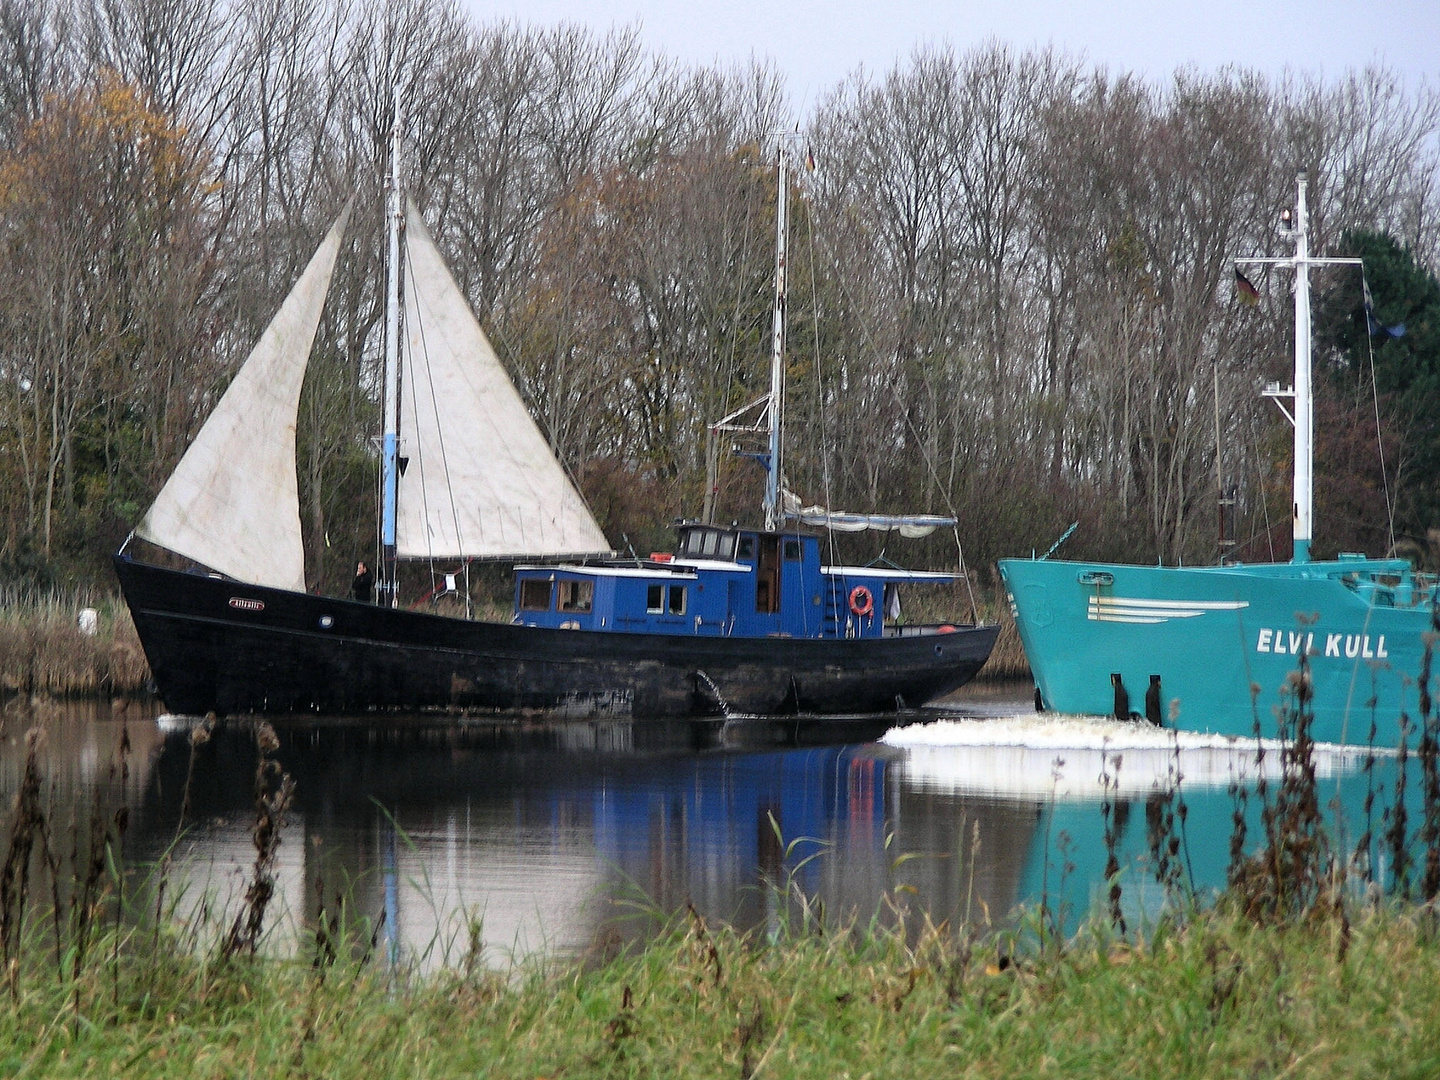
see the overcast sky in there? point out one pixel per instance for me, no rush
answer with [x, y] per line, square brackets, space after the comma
[816, 44]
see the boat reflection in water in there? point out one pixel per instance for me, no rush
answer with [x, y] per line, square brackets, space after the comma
[1064, 768]
[567, 837]
[561, 837]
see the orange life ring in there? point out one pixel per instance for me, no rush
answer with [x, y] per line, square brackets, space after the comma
[862, 603]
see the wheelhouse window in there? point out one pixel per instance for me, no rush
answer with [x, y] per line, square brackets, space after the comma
[792, 549]
[677, 600]
[576, 595]
[701, 543]
[655, 600]
[747, 547]
[534, 594]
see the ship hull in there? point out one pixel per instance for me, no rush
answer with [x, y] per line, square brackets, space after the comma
[216, 645]
[1226, 641]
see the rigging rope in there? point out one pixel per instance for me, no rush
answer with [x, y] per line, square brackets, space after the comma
[1379, 439]
[889, 383]
[1265, 505]
[440, 436]
[712, 497]
[825, 475]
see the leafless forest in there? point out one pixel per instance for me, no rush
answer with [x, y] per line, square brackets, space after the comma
[1011, 294]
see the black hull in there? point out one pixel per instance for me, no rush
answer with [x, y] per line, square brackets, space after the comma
[220, 646]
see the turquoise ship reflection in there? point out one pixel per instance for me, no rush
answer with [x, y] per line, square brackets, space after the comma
[1058, 766]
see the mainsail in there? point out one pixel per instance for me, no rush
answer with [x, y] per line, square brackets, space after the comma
[232, 503]
[481, 481]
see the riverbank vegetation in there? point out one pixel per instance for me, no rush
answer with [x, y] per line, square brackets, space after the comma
[1219, 996]
[1010, 290]
[45, 648]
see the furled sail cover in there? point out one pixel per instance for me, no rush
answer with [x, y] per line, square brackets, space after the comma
[912, 526]
[232, 503]
[481, 481]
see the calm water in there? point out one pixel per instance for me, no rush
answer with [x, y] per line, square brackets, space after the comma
[561, 837]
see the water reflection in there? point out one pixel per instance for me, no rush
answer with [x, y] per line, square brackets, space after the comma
[548, 835]
[548, 845]
[1064, 768]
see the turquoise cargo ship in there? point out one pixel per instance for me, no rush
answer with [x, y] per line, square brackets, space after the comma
[1225, 641]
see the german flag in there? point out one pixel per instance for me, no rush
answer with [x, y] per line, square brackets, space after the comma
[1249, 295]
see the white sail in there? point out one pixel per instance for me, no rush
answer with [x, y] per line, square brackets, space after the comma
[481, 481]
[232, 502]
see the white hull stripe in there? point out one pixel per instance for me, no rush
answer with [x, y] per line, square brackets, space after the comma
[1183, 605]
[1126, 610]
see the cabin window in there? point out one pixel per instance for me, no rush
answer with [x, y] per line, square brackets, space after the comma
[711, 538]
[792, 549]
[655, 600]
[726, 548]
[747, 547]
[534, 594]
[576, 595]
[677, 599]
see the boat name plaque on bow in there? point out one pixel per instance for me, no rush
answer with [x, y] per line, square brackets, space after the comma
[1352, 645]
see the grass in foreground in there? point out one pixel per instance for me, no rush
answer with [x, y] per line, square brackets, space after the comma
[1220, 997]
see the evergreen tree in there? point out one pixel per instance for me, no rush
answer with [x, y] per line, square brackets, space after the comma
[1406, 295]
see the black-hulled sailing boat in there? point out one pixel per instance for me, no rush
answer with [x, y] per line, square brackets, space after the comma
[736, 621]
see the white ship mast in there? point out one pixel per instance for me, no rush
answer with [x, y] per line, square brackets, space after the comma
[774, 512]
[769, 411]
[1301, 390]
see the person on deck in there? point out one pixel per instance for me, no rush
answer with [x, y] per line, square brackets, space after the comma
[363, 583]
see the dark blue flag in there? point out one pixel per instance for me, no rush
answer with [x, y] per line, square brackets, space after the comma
[1377, 328]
